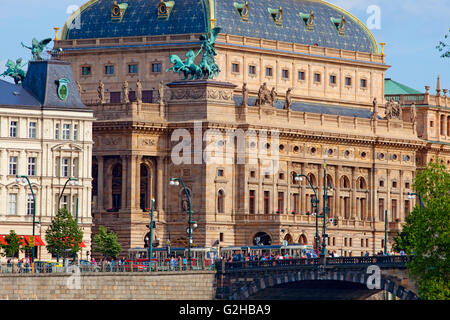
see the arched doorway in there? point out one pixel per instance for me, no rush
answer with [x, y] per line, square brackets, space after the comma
[289, 239]
[262, 239]
[302, 239]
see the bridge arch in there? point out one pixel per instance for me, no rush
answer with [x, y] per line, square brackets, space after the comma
[267, 280]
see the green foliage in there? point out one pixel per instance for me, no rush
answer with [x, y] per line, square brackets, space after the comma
[63, 235]
[444, 47]
[13, 246]
[426, 233]
[106, 243]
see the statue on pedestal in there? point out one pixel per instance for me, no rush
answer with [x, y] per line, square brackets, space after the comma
[413, 115]
[374, 109]
[273, 96]
[125, 92]
[264, 96]
[244, 95]
[288, 103]
[37, 47]
[101, 92]
[139, 91]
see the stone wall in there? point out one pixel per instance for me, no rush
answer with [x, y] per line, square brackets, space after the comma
[198, 285]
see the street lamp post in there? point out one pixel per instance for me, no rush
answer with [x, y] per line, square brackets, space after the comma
[385, 231]
[299, 177]
[176, 182]
[65, 185]
[150, 253]
[33, 210]
[412, 195]
[326, 209]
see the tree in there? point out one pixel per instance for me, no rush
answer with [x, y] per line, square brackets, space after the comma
[106, 243]
[426, 234]
[63, 235]
[444, 47]
[13, 246]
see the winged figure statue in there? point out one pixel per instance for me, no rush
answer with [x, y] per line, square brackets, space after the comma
[37, 47]
[15, 70]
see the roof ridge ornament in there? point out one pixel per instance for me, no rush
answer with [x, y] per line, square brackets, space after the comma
[242, 9]
[165, 8]
[277, 15]
[118, 11]
[308, 19]
[15, 70]
[339, 24]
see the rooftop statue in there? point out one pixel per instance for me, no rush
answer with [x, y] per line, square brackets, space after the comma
[15, 70]
[207, 67]
[37, 47]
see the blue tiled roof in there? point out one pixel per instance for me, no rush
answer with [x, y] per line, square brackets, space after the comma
[193, 16]
[15, 95]
[315, 108]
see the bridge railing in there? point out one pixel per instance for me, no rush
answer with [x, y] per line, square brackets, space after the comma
[383, 261]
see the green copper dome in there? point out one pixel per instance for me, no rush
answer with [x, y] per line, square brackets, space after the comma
[310, 22]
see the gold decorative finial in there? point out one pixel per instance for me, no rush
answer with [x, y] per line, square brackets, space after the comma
[56, 33]
[213, 23]
[382, 44]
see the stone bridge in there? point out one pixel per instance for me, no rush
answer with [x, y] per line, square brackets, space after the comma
[337, 278]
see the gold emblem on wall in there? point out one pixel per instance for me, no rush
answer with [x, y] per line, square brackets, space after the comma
[165, 8]
[118, 11]
[277, 15]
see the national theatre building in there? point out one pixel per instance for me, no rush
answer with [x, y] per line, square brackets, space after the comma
[301, 92]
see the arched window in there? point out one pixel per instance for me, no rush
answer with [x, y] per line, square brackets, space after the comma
[289, 239]
[442, 124]
[312, 178]
[302, 239]
[220, 201]
[329, 181]
[117, 187]
[345, 182]
[361, 183]
[262, 238]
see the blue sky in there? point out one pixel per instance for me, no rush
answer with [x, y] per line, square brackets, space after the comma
[411, 28]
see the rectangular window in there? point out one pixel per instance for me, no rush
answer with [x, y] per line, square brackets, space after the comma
[64, 201]
[348, 81]
[346, 207]
[252, 202]
[75, 132]
[317, 77]
[12, 166]
[12, 204]
[301, 75]
[57, 131]
[407, 208]
[381, 209]
[220, 172]
[156, 67]
[362, 208]
[363, 83]
[66, 132]
[132, 68]
[269, 72]
[221, 237]
[32, 130]
[75, 168]
[295, 202]
[394, 209]
[65, 167]
[235, 68]
[280, 202]
[332, 79]
[252, 70]
[13, 129]
[30, 204]
[31, 166]
[266, 202]
[285, 74]
[109, 70]
[86, 71]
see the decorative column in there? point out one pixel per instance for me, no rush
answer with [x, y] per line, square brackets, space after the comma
[160, 185]
[353, 209]
[138, 160]
[337, 193]
[125, 163]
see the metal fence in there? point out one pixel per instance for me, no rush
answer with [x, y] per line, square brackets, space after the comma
[160, 266]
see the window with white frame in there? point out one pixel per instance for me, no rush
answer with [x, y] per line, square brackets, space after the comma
[32, 166]
[75, 132]
[12, 204]
[13, 129]
[65, 167]
[13, 165]
[32, 130]
[30, 204]
[57, 131]
[64, 201]
[66, 131]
